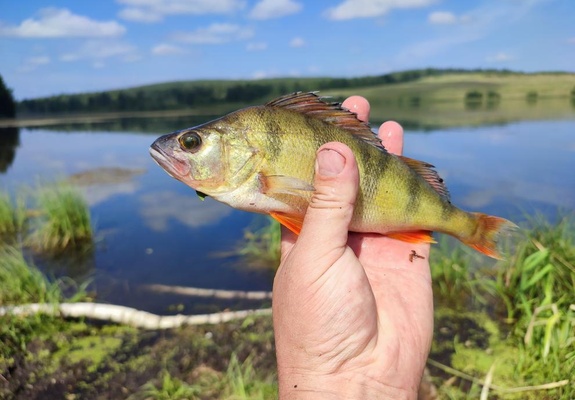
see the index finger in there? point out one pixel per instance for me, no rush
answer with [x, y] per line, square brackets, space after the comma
[391, 135]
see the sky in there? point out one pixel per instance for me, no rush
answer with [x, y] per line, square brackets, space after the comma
[50, 47]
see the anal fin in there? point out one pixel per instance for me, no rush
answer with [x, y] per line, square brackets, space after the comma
[412, 236]
[292, 222]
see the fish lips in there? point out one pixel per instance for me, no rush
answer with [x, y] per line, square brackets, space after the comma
[164, 154]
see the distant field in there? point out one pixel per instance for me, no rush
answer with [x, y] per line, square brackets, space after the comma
[441, 100]
[455, 86]
[437, 99]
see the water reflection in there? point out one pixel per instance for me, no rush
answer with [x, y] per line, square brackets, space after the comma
[159, 209]
[101, 183]
[513, 167]
[9, 141]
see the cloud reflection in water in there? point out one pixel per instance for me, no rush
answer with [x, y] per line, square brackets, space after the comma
[159, 208]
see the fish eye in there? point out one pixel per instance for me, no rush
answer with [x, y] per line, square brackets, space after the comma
[190, 141]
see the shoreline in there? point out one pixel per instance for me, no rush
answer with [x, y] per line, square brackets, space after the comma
[95, 117]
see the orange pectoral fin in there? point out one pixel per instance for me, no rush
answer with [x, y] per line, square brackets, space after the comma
[412, 236]
[292, 222]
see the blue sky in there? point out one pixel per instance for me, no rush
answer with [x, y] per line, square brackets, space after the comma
[67, 46]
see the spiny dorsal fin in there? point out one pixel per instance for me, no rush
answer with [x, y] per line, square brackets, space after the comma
[311, 104]
[426, 171]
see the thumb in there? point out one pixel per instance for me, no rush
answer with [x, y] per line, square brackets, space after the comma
[336, 182]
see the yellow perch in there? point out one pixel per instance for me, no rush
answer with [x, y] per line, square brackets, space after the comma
[261, 159]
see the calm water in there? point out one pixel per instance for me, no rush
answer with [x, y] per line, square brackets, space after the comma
[153, 229]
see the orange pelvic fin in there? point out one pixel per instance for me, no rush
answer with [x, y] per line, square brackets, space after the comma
[292, 222]
[412, 236]
[488, 231]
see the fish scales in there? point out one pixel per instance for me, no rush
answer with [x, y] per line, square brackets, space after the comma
[291, 140]
[262, 158]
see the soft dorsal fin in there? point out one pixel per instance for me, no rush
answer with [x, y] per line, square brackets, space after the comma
[311, 104]
[426, 171]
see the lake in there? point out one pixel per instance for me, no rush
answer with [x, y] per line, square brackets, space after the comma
[151, 229]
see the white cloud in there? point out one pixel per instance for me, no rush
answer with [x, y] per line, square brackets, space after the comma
[260, 75]
[256, 46]
[350, 9]
[156, 10]
[99, 50]
[500, 57]
[446, 18]
[297, 42]
[60, 22]
[30, 64]
[442, 18]
[268, 9]
[140, 15]
[165, 49]
[215, 34]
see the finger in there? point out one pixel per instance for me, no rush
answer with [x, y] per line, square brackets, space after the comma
[391, 134]
[359, 106]
[329, 214]
[288, 240]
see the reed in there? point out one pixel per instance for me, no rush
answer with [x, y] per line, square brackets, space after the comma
[63, 221]
[12, 218]
[261, 247]
[23, 283]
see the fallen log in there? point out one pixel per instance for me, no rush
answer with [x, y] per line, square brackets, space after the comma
[216, 293]
[127, 315]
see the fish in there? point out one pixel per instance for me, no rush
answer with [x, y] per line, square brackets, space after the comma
[261, 159]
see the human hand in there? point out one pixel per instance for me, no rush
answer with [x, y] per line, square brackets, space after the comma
[353, 313]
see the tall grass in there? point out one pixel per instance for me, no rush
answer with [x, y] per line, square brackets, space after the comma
[63, 221]
[23, 283]
[170, 388]
[240, 381]
[531, 295]
[541, 271]
[59, 220]
[243, 382]
[12, 218]
[261, 247]
[20, 283]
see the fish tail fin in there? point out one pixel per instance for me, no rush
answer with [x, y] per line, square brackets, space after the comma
[489, 229]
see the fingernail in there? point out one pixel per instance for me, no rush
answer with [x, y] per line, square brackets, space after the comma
[329, 162]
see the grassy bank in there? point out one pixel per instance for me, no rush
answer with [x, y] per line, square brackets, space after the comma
[511, 323]
[51, 358]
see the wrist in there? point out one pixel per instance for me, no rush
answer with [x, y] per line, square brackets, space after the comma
[306, 385]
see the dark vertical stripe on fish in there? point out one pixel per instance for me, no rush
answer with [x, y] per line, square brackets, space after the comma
[273, 132]
[446, 210]
[413, 188]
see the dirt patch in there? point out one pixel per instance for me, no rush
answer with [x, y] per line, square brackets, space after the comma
[110, 362]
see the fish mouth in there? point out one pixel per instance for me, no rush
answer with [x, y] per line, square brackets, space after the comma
[174, 166]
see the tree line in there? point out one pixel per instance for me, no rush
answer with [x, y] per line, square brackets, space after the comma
[181, 95]
[7, 104]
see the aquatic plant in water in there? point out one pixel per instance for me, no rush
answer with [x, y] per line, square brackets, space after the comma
[63, 221]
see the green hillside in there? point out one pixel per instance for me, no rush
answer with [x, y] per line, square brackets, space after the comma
[425, 98]
[408, 86]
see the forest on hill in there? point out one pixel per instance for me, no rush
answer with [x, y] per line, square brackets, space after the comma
[7, 103]
[192, 94]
